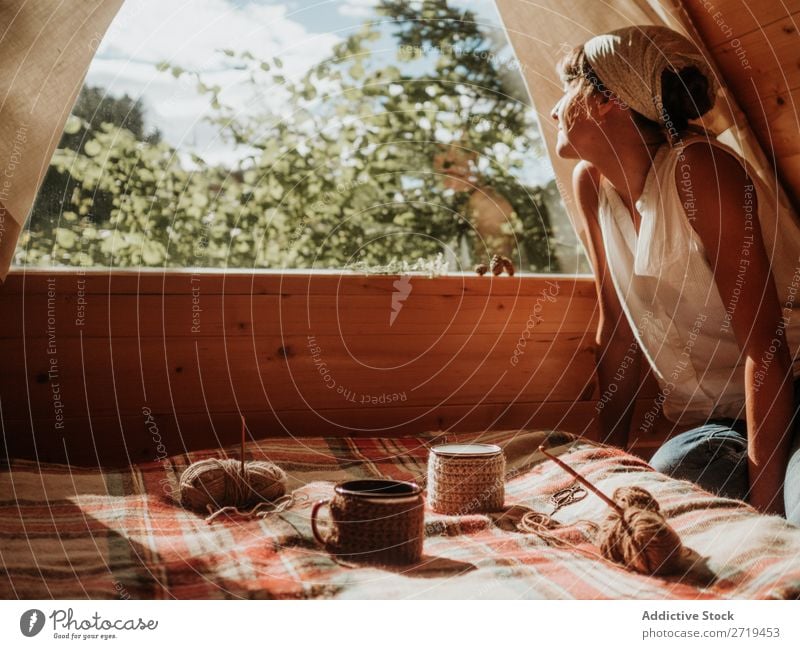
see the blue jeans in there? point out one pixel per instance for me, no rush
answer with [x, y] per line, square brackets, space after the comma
[714, 456]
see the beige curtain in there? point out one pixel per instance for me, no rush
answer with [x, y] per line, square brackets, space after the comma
[45, 49]
[542, 31]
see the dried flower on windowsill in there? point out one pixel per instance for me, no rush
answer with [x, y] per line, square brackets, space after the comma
[435, 267]
[497, 265]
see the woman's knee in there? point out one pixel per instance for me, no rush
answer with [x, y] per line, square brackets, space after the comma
[713, 456]
[791, 486]
[697, 447]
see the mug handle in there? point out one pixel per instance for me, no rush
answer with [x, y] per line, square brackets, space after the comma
[314, 510]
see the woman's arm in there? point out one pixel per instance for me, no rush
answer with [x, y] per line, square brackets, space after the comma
[727, 223]
[618, 355]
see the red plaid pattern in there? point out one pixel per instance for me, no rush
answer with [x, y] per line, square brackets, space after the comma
[68, 532]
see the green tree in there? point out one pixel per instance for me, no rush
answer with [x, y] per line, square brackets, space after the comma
[93, 108]
[344, 171]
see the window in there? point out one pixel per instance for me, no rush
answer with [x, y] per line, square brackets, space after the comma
[371, 134]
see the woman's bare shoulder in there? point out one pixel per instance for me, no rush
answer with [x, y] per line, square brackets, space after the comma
[586, 186]
[717, 195]
[710, 164]
[585, 172]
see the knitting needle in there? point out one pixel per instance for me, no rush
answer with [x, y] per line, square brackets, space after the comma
[241, 450]
[583, 481]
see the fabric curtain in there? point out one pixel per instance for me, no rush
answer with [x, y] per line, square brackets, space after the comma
[542, 31]
[46, 47]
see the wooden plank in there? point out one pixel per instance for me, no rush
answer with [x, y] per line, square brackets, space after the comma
[723, 20]
[217, 384]
[233, 282]
[776, 122]
[766, 83]
[790, 170]
[156, 316]
[764, 63]
[146, 437]
[185, 375]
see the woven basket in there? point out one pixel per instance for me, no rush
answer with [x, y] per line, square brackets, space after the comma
[466, 478]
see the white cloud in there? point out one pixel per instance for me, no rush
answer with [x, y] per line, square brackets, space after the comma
[190, 34]
[187, 32]
[485, 9]
[360, 8]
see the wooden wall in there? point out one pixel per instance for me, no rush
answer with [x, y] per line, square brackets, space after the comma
[757, 47]
[103, 367]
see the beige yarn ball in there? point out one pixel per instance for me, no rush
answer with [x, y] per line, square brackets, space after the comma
[640, 538]
[635, 497]
[212, 484]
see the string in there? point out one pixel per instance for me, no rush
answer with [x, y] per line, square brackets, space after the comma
[262, 509]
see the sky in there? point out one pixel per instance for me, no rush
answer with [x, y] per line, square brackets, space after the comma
[190, 33]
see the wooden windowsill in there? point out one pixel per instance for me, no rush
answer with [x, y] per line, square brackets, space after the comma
[266, 281]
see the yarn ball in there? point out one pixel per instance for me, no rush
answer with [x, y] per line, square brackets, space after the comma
[635, 497]
[216, 483]
[640, 538]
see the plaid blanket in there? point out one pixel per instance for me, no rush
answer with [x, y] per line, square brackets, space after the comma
[69, 532]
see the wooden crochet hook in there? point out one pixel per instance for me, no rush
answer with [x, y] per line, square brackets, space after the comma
[583, 481]
[241, 449]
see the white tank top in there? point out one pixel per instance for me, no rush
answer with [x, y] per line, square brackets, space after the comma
[667, 289]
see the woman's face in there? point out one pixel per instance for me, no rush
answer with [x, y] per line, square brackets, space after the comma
[578, 134]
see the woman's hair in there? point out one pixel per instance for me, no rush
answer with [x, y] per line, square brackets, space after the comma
[684, 94]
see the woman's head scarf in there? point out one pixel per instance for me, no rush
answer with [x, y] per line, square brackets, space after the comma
[630, 61]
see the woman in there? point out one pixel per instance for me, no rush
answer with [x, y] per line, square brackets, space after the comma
[696, 267]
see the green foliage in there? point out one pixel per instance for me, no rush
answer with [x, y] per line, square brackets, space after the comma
[342, 175]
[95, 107]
